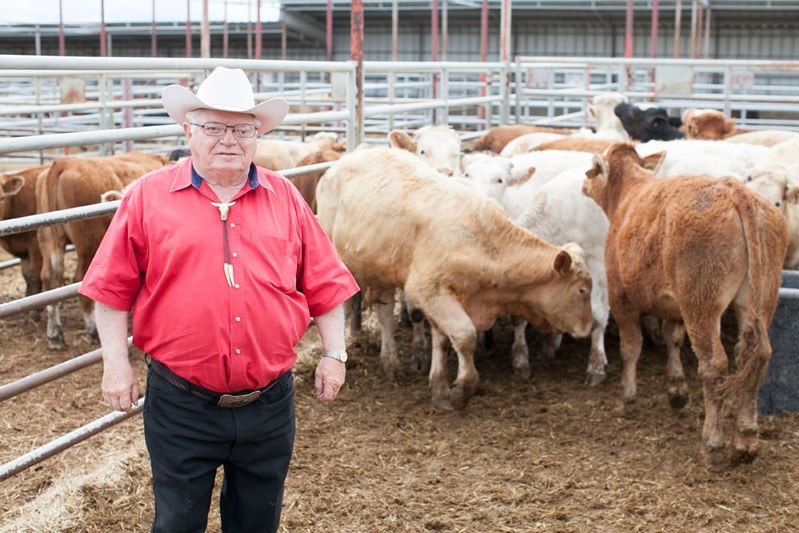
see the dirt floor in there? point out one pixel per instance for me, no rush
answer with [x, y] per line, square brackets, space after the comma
[548, 454]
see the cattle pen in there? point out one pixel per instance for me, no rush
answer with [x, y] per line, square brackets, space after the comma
[548, 454]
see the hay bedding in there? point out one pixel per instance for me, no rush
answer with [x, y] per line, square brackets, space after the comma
[545, 455]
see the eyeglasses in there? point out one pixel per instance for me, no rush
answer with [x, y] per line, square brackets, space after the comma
[218, 129]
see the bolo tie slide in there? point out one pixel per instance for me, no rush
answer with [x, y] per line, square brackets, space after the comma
[224, 209]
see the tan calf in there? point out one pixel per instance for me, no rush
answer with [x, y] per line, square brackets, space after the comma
[684, 250]
[399, 224]
[306, 183]
[497, 137]
[594, 145]
[73, 182]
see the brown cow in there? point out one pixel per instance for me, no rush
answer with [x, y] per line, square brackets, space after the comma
[708, 124]
[19, 200]
[306, 183]
[279, 154]
[497, 137]
[397, 223]
[73, 182]
[685, 249]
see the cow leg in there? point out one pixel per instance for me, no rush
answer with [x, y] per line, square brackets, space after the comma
[447, 315]
[52, 277]
[753, 351]
[420, 359]
[597, 358]
[388, 346]
[31, 271]
[353, 313]
[439, 381]
[676, 388]
[87, 304]
[520, 352]
[712, 359]
[631, 342]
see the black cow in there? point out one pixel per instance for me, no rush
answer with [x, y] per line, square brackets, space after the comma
[648, 124]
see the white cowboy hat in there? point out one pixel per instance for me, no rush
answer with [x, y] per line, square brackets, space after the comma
[225, 89]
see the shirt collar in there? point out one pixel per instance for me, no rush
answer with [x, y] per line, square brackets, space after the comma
[186, 175]
[252, 177]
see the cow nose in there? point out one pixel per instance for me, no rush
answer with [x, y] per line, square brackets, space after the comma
[446, 171]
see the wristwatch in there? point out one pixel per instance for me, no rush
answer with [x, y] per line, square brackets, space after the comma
[338, 355]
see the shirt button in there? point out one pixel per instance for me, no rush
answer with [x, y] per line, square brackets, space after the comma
[232, 224]
[237, 285]
[235, 254]
[238, 350]
[238, 319]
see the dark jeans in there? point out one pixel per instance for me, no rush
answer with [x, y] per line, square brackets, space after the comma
[188, 438]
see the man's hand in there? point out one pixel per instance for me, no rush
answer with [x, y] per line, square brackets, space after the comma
[120, 385]
[329, 379]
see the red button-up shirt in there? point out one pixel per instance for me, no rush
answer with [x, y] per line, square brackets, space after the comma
[162, 258]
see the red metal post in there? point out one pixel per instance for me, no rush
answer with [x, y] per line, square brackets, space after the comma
[249, 29]
[504, 31]
[225, 34]
[356, 51]
[188, 28]
[205, 33]
[677, 26]
[329, 30]
[258, 36]
[153, 35]
[484, 31]
[62, 49]
[653, 49]
[628, 30]
[102, 29]
[434, 30]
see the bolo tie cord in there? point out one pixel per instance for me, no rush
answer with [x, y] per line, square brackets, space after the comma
[224, 209]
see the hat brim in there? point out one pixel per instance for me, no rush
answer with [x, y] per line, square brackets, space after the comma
[178, 101]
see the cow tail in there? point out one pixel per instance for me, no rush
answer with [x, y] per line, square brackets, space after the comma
[48, 200]
[766, 240]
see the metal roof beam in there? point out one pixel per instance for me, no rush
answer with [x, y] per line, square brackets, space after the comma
[305, 26]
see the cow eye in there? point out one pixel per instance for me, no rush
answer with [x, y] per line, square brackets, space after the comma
[748, 178]
[500, 181]
[421, 152]
[777, 204]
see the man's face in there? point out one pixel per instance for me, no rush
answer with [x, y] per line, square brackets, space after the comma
[228, 155]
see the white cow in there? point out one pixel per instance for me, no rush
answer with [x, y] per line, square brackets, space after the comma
[438, 146]
[772, 182]
[396, 223]
[559, 212]
[602, 109]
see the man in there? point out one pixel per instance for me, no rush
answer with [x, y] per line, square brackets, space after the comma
[222, 264]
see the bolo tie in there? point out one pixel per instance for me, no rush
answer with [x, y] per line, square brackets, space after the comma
[224, 209]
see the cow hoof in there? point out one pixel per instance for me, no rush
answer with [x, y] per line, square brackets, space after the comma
[595, 378]
[524, 372]
[677, 400]
[442, 404]
[458, 397]
[743, 454]
[626, 406]
[56, 343]
[713, 457]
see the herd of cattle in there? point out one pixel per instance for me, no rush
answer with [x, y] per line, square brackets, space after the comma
[666, 222]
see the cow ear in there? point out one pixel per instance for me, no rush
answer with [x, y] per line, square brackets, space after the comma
[598, 167]
[792, 195]
[729, 126]
[563, 262]
[688, 114]
[401, 140]
[654, 161]
[13, 185]
[517, 178]
[590, 111]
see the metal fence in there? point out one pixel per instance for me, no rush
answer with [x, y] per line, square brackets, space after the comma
[119, 110]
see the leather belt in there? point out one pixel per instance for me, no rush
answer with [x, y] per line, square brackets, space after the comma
[221, 400]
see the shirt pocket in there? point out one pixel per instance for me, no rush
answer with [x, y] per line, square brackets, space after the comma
[274, 261]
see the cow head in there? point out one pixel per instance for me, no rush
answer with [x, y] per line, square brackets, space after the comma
[11, 185]
[566, 303]
[608, 171]
[772, 183]
[708, 124]
[492, 174]
[648, 124]
[438, 146]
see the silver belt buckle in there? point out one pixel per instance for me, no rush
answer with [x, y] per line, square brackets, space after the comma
[237, 400]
